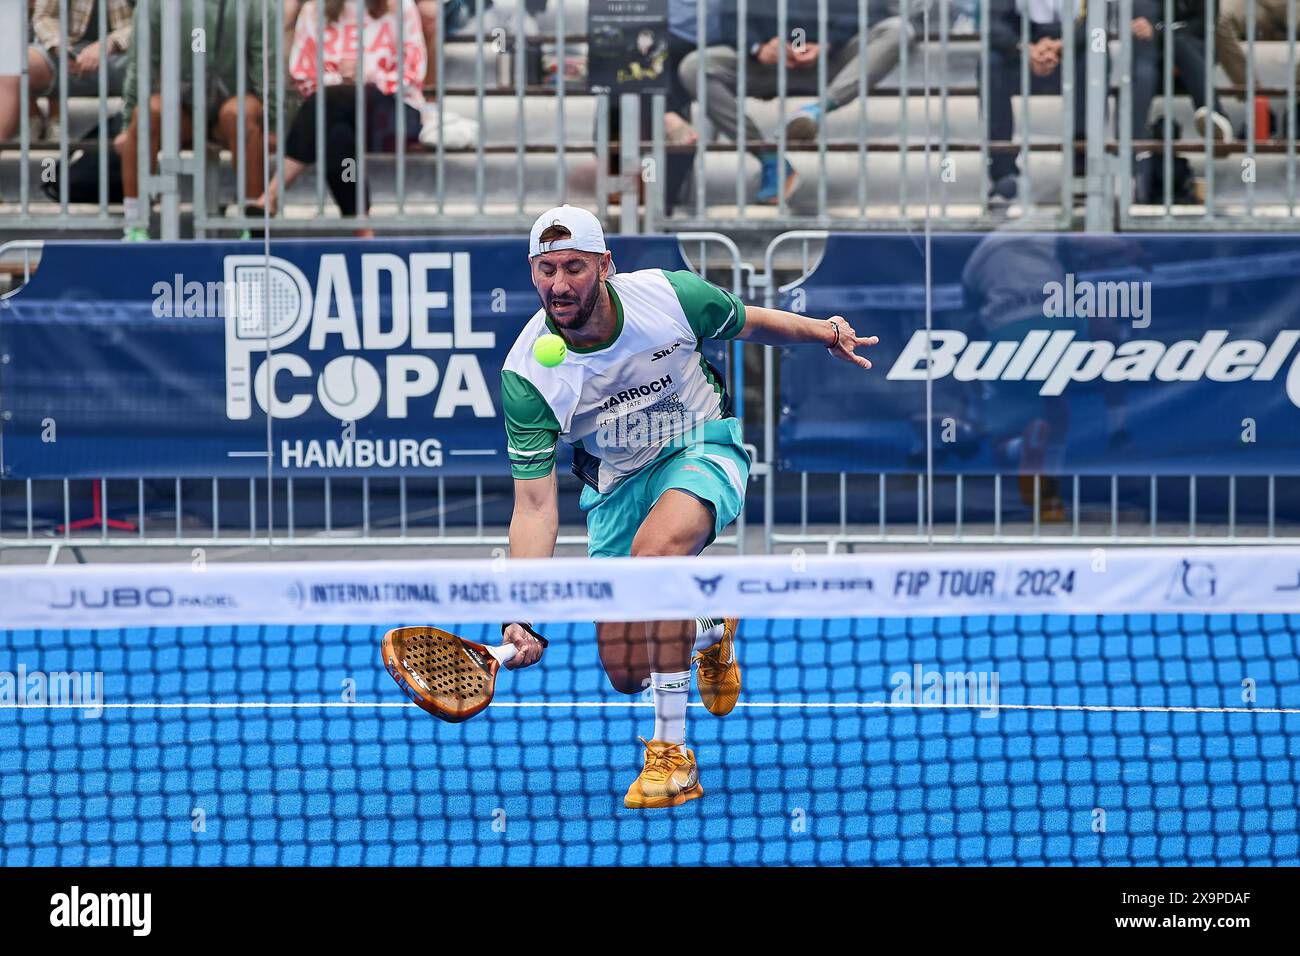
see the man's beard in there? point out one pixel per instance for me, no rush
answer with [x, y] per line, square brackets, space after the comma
[580, 316]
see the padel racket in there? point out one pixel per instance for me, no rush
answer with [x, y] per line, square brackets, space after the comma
[446, 675]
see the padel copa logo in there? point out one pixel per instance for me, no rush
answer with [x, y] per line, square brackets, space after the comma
[396, 343]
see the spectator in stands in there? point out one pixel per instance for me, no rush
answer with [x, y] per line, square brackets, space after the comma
[380, 82]
[220, 23]
[458, 131]
[85, 48]
[766, 52]
[1230, 34]
[683, 32]
[1045, 58]
[1189, 29]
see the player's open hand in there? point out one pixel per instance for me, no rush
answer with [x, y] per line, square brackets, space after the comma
[843, 347]
[529, 649]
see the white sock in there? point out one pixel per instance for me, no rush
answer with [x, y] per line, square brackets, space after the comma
[131, 210]
[670, 692]
[708, 631]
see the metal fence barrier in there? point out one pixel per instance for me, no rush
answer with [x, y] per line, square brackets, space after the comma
[896, 509]
[898, 151]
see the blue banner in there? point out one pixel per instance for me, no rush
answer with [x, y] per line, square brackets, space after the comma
[1051, 354]
[151, 359]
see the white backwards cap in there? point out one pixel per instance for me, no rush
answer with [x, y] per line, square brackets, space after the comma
[585, 233]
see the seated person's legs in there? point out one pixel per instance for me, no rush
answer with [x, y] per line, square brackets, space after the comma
[10, 107]
[430, 20]
[677, 104]
[299, 152]
[720, 78]
[87, 83]
[127, 144]
[1193, 70]
[1145, 69]
[226, 133]
[1004, 82]
[83, 76]
[40, 80]
[340, 146]
[1229, 29]
[882, 52]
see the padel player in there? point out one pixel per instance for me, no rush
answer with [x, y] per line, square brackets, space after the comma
[656, 446]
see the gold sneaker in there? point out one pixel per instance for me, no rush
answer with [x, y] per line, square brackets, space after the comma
[668, 779]
[717, 675]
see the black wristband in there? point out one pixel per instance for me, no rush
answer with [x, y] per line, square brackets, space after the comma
[527, 627]
[836, 327]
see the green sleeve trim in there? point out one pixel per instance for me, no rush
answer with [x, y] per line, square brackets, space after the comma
[532, 430]
[713, 313]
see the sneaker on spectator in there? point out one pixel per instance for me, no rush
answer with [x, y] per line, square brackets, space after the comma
[1003, 191]
[135, 234]
[804, 123]
[771, 185]
[458, 132]
[1222, 128]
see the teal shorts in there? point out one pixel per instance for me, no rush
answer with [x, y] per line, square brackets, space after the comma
[715, 470]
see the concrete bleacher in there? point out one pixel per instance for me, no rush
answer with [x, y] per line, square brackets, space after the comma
[890, 174]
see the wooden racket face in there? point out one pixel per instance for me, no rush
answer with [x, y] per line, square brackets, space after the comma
[449, 677]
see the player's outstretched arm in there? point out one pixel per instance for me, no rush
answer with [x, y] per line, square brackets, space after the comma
[534, 527]
[774, 327]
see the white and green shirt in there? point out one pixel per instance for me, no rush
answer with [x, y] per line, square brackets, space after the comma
[622, 402]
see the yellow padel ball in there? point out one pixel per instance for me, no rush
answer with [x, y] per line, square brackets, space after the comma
[549, 350]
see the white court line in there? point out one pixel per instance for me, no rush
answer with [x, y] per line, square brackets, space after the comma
[614, 704]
